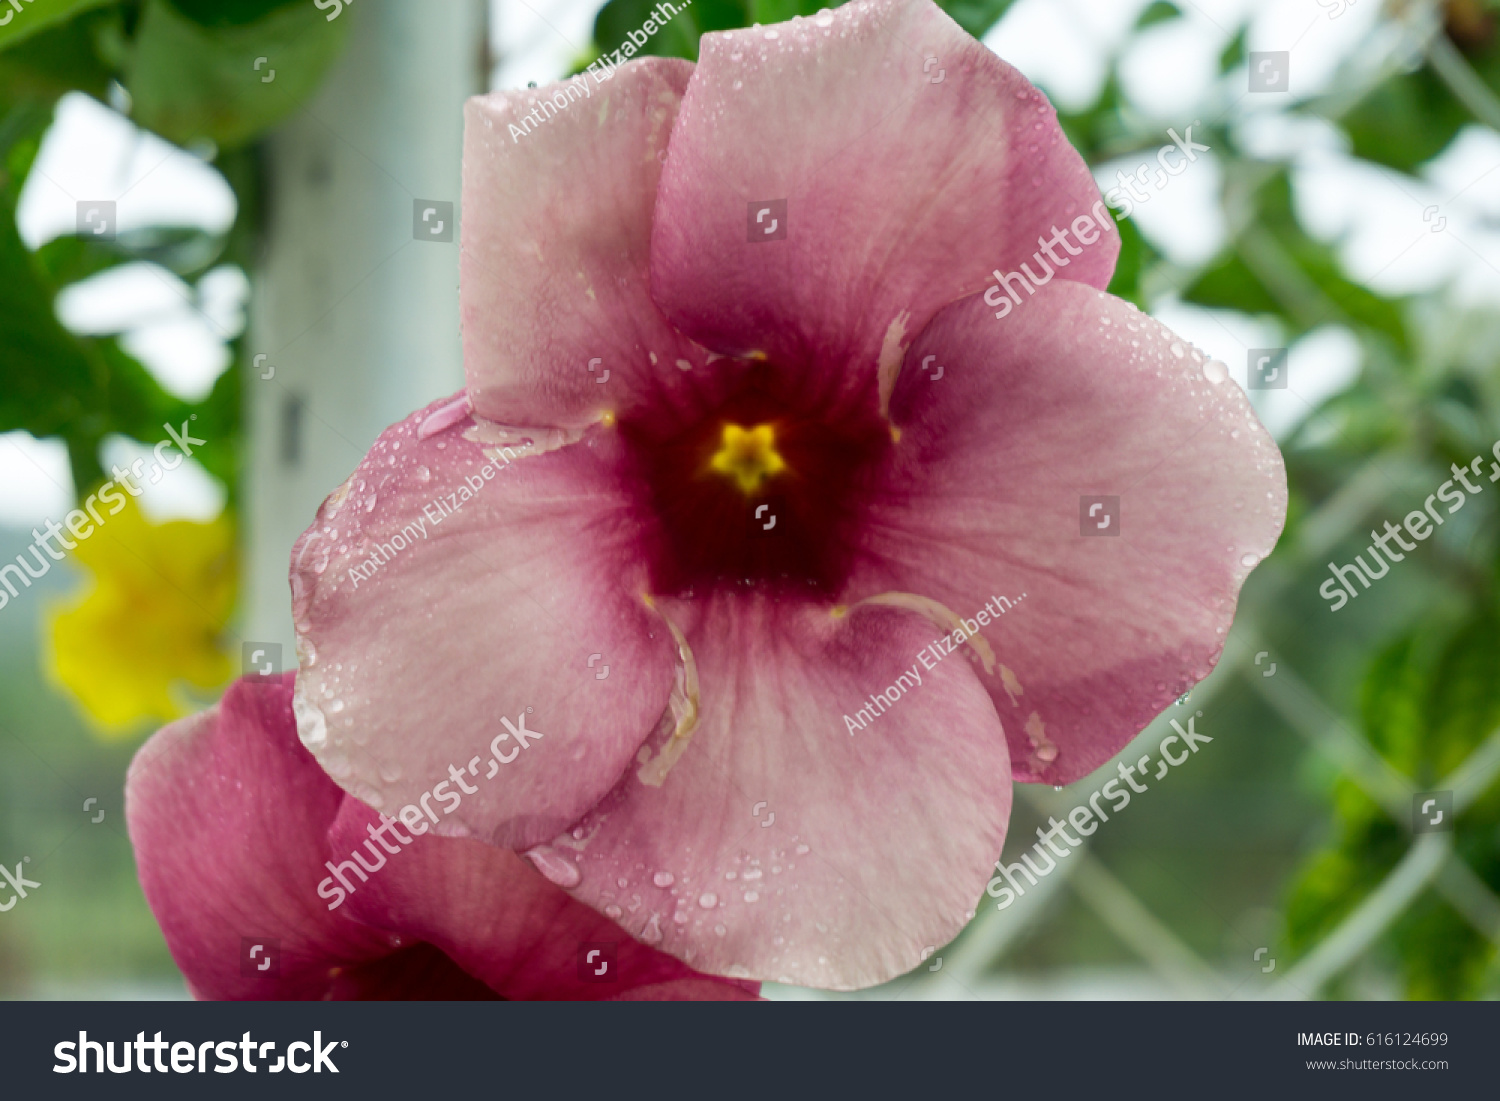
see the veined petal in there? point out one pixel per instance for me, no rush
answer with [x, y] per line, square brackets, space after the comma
[1072, 400]
[490, 912]
[901, 163]
[471, 609]
[235, 826]
[781, 846]
[229, 818]
[559, 326]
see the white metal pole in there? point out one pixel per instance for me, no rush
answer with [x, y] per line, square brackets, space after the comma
[356, 317]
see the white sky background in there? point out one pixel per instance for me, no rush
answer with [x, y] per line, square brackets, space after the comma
[1381, 222]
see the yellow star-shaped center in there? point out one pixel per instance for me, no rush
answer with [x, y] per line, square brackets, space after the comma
[748, 456]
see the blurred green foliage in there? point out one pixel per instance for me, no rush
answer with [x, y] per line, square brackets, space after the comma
[187, 69]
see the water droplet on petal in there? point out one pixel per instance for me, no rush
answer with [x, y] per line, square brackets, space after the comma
[551, 864]
[613, 912]
[708, 900]
[1215, 371]
[664, 879]
[1178, 350]
[1250, 560]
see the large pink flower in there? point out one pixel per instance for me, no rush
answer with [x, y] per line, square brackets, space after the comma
[234, 827]
[769, 442]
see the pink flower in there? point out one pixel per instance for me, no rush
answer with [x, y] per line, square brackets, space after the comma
[234, 825]
[757, 473]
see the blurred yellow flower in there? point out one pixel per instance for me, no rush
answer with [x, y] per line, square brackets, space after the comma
[153, 618]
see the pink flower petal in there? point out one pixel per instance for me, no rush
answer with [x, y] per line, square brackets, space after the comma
[781, 847]
[489, 911]
[1075, 393]
[232, 823]
[498, 628]
[558, 321]
[228, 816]
[901, 194]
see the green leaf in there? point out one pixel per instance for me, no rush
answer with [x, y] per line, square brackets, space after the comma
[186, 251]
[679, 38]
[618, 19]
[1159, 12]
[779, 11]
[1405, 121]
[56, 382]
[1234, 53]
[976, 16]
[1442, 956]
[1393, 704]
[1464, 706]
[61, 58]
[40, 15]
[232, 13]
[1135, 256]
[191, 83]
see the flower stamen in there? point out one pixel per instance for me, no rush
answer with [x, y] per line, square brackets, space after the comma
[749, 456]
